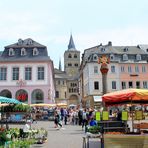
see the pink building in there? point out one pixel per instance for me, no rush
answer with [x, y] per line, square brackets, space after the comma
[26, 72]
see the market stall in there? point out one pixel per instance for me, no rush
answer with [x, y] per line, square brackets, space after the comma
[126, 139]
[126, 96]
[11, 112]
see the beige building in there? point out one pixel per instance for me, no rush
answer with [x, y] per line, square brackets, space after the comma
[67, 85]
[61, 86]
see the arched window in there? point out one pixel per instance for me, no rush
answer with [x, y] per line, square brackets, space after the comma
[69, 56]
[22, 95]
[75, 55]
[125, 57]
[29, 42]
[11, 52]
[125, 49]
[69, 64]
[95, 57]
[6, 93]
[111, 57]
[102, 49]
[35, 51]
[23, 52]
[76, 64]
[138, 57]
[20, 41]
[37, 96]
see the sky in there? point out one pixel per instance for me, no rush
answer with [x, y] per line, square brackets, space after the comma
[91, 22]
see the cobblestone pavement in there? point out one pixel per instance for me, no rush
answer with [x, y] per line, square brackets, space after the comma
[68, 137]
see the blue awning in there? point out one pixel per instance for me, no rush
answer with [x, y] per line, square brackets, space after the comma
[97, 98]
[9, 100]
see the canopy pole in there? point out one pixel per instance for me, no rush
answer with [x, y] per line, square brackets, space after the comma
[132, 115]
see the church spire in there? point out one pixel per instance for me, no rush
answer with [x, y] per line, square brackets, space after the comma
[60, 66]
[71, 43]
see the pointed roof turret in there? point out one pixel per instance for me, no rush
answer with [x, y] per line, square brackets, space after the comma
[71, 45]
[60, 66]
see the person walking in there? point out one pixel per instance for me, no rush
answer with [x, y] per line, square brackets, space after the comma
[84, 119]
[57, 120]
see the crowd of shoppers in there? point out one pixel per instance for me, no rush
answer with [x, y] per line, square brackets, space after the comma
[74, 116]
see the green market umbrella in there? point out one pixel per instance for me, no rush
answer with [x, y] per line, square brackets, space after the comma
[9, 100]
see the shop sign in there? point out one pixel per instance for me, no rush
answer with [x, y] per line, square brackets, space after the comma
[22, 97]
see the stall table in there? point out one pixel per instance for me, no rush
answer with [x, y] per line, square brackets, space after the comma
[125, 141]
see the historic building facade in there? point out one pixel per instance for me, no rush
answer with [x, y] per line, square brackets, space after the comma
[26, 72]
[128, 68]
[61, 86]
[67, 84]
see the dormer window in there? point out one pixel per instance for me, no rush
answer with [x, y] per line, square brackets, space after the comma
[102, 49]
[11, 52]
[35, 51]
[125, 57]
[125, 49]
[29, 42]
[95, 58]
[23, 52]
[20, 41]
[111, 57]
[138, 57]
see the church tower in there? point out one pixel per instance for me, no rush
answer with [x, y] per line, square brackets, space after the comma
[71, 59]
[71, 68]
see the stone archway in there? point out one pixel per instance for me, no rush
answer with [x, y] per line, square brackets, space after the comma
[37, 96]
[22, 95]
[6, 93]
[73, 99]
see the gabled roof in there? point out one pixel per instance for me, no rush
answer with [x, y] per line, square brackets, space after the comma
[60, 74]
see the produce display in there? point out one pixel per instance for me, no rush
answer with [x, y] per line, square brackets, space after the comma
[15, 108]
[94, 129]
[15, 137]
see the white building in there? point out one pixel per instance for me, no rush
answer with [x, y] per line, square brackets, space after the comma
[128, 68]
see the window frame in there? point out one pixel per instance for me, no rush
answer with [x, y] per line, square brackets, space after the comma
[114, 85]
[113, 70]
[3, 74]
[96, 85]
[15, 73]
[28, 73]
[41, 73]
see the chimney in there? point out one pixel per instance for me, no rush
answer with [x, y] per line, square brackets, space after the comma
[109, 43]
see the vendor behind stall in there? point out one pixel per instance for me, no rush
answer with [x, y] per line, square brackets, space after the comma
[119, 115]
